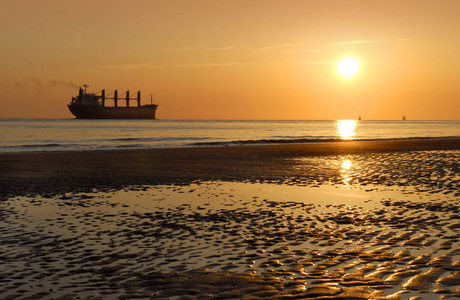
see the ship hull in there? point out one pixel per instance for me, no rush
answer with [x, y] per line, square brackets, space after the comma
[101, 112]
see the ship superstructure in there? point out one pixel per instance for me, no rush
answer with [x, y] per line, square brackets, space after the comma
[93, 106]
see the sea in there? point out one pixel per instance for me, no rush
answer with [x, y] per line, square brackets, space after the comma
[45, 135]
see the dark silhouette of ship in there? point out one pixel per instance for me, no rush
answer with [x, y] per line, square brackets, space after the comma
[93, 106]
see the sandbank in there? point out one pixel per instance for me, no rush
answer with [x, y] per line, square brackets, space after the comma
[60, 172]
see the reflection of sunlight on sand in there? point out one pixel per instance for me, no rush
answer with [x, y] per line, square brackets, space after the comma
[346, 129]
[346, 165]
[345, 171]
[419, 171]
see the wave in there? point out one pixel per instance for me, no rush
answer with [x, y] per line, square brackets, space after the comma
[31, 146]
[45, 145]
[141, 143]
[306, 140]
[152, 139]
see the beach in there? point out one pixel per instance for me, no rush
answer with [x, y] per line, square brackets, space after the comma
[325, 220]
[53, 173]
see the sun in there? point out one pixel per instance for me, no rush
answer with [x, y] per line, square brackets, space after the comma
[348, 67]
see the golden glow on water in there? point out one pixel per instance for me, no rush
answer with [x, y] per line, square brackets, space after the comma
[346, 164]
[346, 129]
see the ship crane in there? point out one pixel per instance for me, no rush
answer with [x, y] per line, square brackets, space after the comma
[93, 106]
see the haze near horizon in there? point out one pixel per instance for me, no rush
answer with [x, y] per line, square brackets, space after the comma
[235, 59]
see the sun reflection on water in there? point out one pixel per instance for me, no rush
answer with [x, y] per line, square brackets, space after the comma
[346, 129]
[346, 177]
[346, 164]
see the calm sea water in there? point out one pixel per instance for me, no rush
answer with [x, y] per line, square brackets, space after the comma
[38, 135]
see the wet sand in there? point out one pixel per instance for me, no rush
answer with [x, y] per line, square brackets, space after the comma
[338, 221]
[56, 173]
[232, 240]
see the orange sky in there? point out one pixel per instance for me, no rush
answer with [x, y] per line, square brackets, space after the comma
[234, 59]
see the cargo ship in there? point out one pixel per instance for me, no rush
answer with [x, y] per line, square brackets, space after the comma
[93, 106]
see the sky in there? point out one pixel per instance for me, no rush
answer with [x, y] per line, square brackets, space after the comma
[234, 59]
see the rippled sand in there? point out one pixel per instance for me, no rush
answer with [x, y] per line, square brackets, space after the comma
[431, 171]
[357, 220]
[239, 240]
